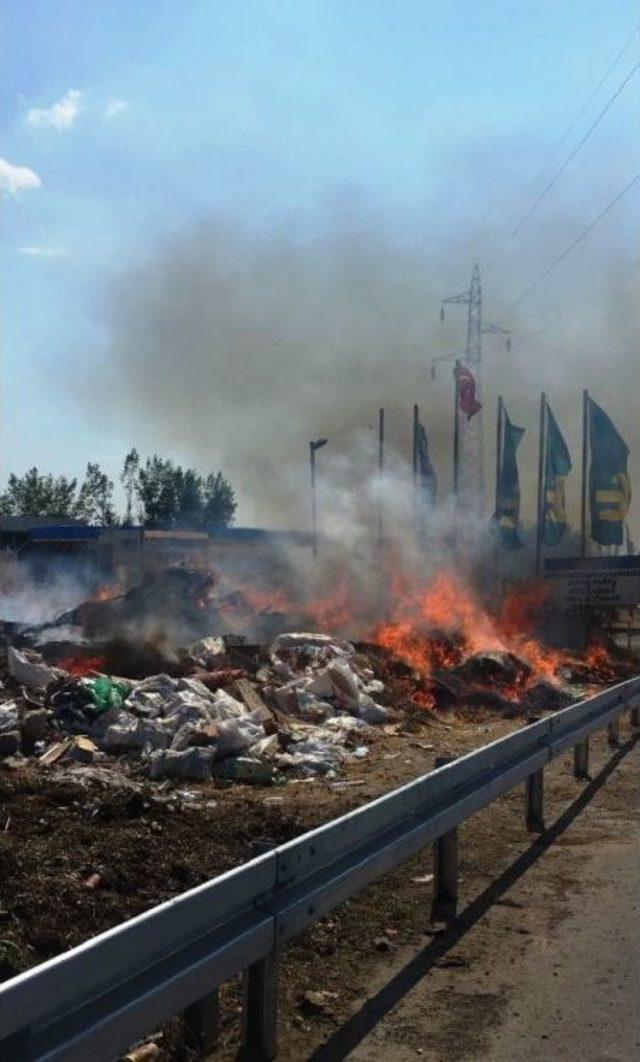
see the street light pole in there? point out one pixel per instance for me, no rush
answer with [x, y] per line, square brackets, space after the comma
[316, 444]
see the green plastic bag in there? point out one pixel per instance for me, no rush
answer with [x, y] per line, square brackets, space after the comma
[108, 693]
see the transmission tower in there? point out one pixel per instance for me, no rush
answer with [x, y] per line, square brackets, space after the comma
[471, 441]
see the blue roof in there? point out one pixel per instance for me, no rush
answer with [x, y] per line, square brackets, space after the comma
[65, 533]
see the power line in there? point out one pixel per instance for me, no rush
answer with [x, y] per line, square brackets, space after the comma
[585, 106]
[561, 169]
[571, 156]
[582, 236]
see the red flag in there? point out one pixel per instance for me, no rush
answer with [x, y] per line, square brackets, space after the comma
[467, 400]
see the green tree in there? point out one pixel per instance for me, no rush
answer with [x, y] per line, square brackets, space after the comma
[36, 494]
[189, 502]
[219, 501]
[157, 490]
[171, 496]
[94, 502]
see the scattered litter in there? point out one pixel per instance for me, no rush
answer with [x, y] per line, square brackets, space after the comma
[94, 881]
[144, 1053]
[208, 652]
[29, 669]
[192, 763]
[317, 1002]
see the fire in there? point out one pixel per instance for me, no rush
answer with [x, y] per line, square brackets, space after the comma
[597, 659]
[108, 592]
[334, 611]
[79, 666]
[440, 625]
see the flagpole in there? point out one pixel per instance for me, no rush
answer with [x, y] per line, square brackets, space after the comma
[380, 468]
[585, 446]
[456, 429]
[541, 485]
[499, 448]
[415, 444]
[314, 514]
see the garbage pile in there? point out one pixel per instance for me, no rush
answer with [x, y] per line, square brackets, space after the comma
[105, 684]
[308, 710]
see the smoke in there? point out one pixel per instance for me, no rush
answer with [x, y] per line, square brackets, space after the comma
[232, 347]
[27, 599]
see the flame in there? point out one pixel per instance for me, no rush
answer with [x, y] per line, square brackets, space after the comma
[109, 592]
[440, 625]
[598, 660]
[335, 610]
[78, 666]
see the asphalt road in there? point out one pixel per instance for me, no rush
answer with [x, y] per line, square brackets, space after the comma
[552, 968]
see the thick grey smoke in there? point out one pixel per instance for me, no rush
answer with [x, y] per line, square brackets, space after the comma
[233, 348]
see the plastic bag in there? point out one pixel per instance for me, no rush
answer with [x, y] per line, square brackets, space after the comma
[107, 693]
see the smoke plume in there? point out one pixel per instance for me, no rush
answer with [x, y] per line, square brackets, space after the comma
[232, 348]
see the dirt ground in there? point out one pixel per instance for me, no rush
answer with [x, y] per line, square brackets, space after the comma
[147, 844]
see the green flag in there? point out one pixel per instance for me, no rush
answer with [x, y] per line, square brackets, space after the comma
[556, 467]
[508, 508]
[609, 486]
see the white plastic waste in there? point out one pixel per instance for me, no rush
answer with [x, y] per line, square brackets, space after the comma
[193, 763]
[30, 670]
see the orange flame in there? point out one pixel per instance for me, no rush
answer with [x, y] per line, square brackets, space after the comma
[440, 625]
[79, 666]
[108, 592]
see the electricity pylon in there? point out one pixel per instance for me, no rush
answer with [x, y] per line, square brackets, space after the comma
[471, 433]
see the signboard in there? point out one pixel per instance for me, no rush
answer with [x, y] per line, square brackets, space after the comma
[594, 582]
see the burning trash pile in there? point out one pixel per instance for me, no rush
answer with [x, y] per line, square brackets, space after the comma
[106, 683]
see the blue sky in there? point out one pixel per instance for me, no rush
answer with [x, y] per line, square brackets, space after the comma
[135, 118]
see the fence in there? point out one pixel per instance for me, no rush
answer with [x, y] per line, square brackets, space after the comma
[99, 998]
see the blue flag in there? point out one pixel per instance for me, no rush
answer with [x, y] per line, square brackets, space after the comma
[507, 514]
[609, 486]
[556, 468]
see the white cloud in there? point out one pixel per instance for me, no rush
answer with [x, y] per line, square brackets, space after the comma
[115, 107]
[16, 179]
[61, 115]
[44, 252]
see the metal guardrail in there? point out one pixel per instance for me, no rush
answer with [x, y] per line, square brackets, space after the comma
[99, 998]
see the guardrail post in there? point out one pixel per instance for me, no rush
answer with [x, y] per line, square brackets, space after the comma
[534, 793]
[201, 1023]
[445, 868]
[534, 801]
[634, 717]
[613, 732]
[581, 759]
[445, 877]
[261, 1009]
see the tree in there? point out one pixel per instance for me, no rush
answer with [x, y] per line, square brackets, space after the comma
[35, 494]
[175, 497]
[94, 502]
[219, 501]
[129, 480]
[189, 503]
[157, 491]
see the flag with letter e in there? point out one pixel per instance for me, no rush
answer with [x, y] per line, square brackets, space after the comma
[508, 494]
[609, 486]
[557, 466]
